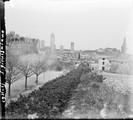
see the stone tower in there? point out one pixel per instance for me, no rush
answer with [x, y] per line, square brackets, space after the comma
[123, 47]
[72, 46]
[52, 43]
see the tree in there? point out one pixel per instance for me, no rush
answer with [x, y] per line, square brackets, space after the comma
[44, 66]
[37, 69]
[12, 73]
[59, 65]
[9, 37]
[26, 70]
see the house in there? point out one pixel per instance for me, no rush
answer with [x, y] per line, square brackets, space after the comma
[94, 66]
[104, 63]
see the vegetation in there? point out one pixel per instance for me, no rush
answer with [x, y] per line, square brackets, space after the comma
[38, 68]
[60, 65]
[51, 99]
[12, 72]
[26, 70]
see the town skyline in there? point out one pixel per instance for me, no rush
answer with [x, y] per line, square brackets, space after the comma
[105, 23]
[41, 44]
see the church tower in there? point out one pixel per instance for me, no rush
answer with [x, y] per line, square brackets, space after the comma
[123, 47]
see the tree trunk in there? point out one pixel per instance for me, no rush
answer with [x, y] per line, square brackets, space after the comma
[36, 79]
[25, 82]
[9, 89]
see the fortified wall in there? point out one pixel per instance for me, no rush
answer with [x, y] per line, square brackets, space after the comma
[22, 46]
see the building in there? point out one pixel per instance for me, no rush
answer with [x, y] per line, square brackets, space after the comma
[100, 50]
[93, 65]
[22, 46]
[61, 48]
[42, 44]
[72, 47]
[104, 64]
[52, 43]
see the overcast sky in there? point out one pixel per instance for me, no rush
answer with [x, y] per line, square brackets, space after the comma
[90, 24]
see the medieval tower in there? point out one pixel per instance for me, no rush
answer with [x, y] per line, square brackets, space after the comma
[52, 43]
[72, 47]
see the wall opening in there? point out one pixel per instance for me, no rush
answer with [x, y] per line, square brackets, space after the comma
[103, 68]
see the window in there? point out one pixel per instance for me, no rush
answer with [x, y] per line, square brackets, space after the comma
[103, 63]
[103, 68]
[103, 58]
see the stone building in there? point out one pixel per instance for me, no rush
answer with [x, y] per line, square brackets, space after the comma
[72, 47]
[20, 46]
[104, 64]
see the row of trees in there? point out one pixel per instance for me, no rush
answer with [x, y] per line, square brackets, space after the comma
[16, 69]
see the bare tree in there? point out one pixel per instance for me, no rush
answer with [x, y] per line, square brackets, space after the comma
[37, 69]
[12, 73]
[26, 70]
[10, 37]
[44, 66]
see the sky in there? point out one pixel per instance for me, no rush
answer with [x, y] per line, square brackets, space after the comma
[90, 24]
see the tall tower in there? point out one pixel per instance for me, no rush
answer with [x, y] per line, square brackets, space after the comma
[52, 43]
[72, 46]
[123, 47]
